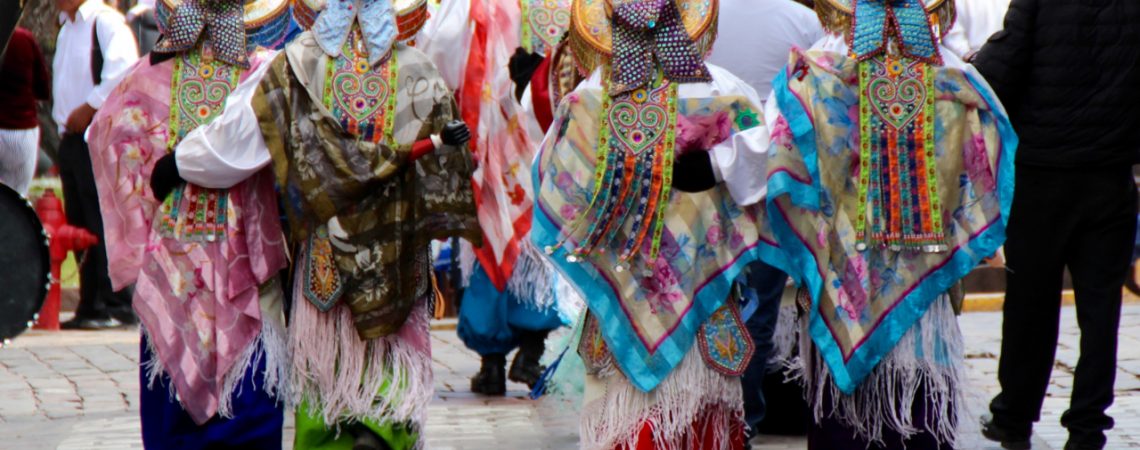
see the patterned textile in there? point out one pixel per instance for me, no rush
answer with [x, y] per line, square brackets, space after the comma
[878, 22]
[222, 22]
[374, 18]
[897, 176]
[649, 35]
[544, 23]
[636, 141]
[388, 209]
[358, 95]
[266, 23]
[724, 341]
[198, 90]
[862, 302]
[198, 298]
[322, 284]
[649, 321]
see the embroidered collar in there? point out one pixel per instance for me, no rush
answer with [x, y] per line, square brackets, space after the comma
[645, 31]
[881, 24]
[377, 25]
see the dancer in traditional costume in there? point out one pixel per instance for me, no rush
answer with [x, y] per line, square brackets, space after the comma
[631, 212]
[369, 169]
[204, 262]
[509, 299]
[890, 178]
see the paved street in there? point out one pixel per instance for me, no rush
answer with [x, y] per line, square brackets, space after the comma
[77, 390]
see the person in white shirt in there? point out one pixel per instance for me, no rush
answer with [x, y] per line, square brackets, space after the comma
[95, 48]
[977, 21]
[756, 37]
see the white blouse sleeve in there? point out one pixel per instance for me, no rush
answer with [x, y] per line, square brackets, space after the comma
[742, 161]
[230, 148]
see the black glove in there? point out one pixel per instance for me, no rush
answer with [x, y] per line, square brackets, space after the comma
[692, 172]
[455, 133]
[522, 66]
[165, 177]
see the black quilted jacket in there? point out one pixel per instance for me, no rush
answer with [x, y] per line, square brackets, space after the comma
[1068, 72]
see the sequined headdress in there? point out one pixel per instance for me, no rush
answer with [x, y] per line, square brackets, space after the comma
[896, 44]
[646, 48]
[229, 29]
[382, 22]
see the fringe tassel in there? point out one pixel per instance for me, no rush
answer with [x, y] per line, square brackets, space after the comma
[928, 358]
[270, 344]
[343, 378]
[693, 392]
[532, 279]
[785, 338]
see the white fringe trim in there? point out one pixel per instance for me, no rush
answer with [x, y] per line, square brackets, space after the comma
[270, 344]
[785, 339]
[886, 397]
[691, 392]
[532, 278]
[340, 377]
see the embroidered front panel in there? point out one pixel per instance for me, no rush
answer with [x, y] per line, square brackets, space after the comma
[592, 348]
[544, 23]
[632, 180]
[898, 186]
[725, 343]
[361, 97]
[323, 284]
[198, 91]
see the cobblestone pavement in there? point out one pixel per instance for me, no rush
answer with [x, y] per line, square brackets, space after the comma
[78, 390]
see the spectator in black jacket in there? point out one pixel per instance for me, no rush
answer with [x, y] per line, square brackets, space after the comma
[1068, 71]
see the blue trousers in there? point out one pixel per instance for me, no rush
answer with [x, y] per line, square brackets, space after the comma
[490, 320]
[256, 424]
[767, 284]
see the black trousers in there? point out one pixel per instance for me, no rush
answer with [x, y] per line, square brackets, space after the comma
[81, 204]
[1084, 220]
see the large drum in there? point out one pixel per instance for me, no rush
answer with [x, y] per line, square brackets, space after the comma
[25, 265]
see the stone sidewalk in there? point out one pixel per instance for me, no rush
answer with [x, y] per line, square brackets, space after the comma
[78, 390]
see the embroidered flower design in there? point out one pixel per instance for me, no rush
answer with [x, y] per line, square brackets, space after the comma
[568, 212]
[663, 288]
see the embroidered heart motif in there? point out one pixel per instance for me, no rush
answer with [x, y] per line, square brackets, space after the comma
[637, 125]
[548, 20]
[200, 99]
[360, 94]
[896, 93]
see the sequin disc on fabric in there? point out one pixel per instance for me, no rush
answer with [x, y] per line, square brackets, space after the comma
[725, 343]
[898, 183]
[361, 97]
[198, 93]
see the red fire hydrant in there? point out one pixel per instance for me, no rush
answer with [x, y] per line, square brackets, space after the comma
[64, 238]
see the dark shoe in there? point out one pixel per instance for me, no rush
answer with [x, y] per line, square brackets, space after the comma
[525, 369]
[491, 379]
[1086, 441]
[1009, 439]
[91, 324]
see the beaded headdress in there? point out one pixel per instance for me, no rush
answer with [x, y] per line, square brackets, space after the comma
[382, 22]
[231, 28]
[896, 44]
[646, 48]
